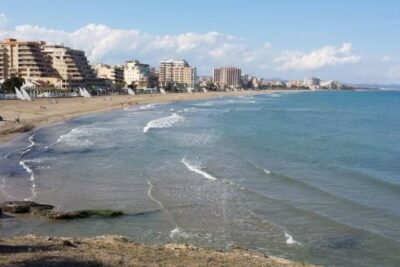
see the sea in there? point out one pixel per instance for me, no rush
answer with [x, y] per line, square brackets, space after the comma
[308, 176]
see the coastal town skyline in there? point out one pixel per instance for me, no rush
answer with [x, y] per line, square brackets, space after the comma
[274, 51]
[44, 66]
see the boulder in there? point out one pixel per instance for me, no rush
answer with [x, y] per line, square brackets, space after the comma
[18, 207]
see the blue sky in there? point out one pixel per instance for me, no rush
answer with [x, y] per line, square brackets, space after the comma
[353, 41]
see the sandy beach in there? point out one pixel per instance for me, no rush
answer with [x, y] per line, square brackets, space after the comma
[46, 111]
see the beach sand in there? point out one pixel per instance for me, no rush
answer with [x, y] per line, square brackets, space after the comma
[45, 111]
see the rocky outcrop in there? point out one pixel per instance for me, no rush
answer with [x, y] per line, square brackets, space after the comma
[79, 214]
[18, 207]
[120, 251]
[25, 207]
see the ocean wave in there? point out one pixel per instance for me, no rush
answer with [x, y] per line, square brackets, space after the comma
[267, 171]
[145, 107]
[80, 136]
[165, 122]
[178, 233]
[274, 95]
[290, 240]
[197, 169]
[31, 178]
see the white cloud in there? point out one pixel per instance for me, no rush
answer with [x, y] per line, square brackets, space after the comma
[3, 19]
[386, 59]
[325, 56]
[267, 45]
[105, 44]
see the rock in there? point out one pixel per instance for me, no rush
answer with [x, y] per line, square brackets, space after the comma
[18, 207]
[80, 214]
[68, 215]
[1, 212]
[68, 243]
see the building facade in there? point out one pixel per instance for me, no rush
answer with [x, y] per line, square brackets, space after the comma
[57, 65]
[177, 72]
[26, 60]
[113, 76]
[227, 77]
[138, 74]
[72, 67]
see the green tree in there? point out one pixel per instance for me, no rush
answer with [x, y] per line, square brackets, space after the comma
[9, 85]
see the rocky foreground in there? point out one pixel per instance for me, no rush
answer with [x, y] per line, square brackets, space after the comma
[119, 251]
[109, 250]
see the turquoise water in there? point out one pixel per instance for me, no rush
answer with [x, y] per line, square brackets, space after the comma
[312, 176]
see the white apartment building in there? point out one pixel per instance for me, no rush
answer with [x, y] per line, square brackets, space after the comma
[137, 73]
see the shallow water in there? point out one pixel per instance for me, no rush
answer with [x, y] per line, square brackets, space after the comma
[311, 176]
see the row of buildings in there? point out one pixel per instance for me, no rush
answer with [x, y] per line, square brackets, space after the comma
[62, 67]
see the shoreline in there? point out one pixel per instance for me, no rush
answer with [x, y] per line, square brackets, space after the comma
[111, 250]
[47, 111]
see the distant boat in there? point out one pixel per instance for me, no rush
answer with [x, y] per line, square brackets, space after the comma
[130, 92]
[19, 94]
[26, 95]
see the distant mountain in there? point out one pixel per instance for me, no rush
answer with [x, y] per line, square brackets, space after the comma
[379, 86]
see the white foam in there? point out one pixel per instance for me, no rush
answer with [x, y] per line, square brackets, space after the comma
[290, 240]
[150, 106]
[267, 171]
[31, 178]
[197, 169]
[275, 95]
[178, 233]
[151, 196]
[165, 122]
[28, 170]
[79, 136]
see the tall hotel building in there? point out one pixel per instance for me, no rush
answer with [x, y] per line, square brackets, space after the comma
[227, 76]
[176, 71]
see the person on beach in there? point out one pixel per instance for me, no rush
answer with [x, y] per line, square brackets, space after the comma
[17, 118]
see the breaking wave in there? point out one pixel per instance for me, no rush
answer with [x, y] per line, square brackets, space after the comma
[197, 169]
[165, 122]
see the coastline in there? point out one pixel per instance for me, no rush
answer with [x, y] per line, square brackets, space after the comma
[46, 111]
[120, 251]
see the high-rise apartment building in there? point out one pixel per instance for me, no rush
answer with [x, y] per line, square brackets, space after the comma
[58, 65]
[2, 76]
[176, 72]
[227, 76]
[71, 65]
[26, 60]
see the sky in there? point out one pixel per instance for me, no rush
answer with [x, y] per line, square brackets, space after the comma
[350, 41]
